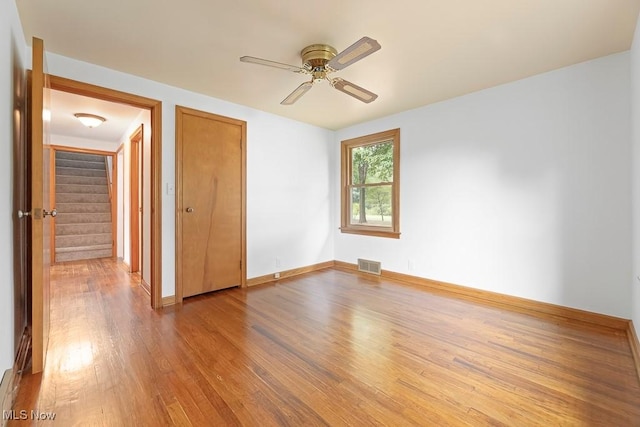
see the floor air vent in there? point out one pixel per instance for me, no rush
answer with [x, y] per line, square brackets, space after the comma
[367, 266]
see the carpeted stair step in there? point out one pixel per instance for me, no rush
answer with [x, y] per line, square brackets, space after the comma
[83, 252]
[82, 218]
[80, 164]
[69, 241]
[81, 198]
[69, 155]
[77, 208]
[81, 188]
[86, 180]
[82, 228]
[60, 171]
[84, 248]
[76, 256]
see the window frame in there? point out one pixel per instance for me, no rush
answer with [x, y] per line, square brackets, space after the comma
[346, 148]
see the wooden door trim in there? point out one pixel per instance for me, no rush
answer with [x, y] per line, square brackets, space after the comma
[135, 144]
[155, 109]
[82, 150]
[113, 185]
[52, 202]
[180, 111]
[116, 208]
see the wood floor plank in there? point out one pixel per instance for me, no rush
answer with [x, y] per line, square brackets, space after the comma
[324, 348]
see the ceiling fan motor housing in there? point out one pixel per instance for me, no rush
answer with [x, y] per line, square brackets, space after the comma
[317, 55]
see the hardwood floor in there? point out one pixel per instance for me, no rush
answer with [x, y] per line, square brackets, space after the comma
[326, 348]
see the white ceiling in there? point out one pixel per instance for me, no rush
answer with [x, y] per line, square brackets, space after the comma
[431, 49]
[64, 105]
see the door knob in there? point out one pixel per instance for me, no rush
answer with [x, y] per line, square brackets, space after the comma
[22, 214]
[53, 213]
[189, 210]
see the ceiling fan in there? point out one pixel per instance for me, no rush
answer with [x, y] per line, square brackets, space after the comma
[319, 60]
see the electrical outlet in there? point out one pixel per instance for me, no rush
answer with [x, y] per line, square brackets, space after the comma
[276, 275]
[171, 189]
[278, 262]
[410, 264]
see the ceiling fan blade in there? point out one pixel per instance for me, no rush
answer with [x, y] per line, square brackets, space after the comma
[360, 49]
[354, 90]
[260, 61]
[296, 94]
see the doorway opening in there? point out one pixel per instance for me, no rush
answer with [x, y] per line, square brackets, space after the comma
[83, 193]
[153, 228]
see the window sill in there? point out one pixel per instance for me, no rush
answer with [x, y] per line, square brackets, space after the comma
[371, 231]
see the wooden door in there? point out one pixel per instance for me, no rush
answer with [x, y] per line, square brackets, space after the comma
[40, 256]
[135, 208]
[210, 172]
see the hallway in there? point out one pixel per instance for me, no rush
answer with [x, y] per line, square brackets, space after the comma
[101, 323]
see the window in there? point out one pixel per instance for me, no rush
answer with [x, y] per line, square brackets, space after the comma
[370, 185]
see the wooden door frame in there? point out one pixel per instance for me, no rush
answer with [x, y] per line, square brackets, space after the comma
[52, 198]
[155, 109]
[116, 212]
[179, 203]
[135, 170]
[113, 191]
[21, 202]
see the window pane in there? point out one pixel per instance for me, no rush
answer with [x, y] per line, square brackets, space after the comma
[377, 210]
[371, 164]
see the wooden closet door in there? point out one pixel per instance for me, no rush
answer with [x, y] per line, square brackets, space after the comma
[211, 201]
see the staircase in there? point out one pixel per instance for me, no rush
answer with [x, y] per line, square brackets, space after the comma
[83, 223]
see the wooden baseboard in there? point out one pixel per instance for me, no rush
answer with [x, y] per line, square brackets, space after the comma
[634, 344]
[6, 394]
[12, 377]
[513, 303]
[168, 301]
[509, 302]
[495, 299]
[145, 285]
[269, 278]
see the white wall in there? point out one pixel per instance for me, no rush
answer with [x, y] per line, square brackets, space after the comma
[12, 58]
[289, 174]
[289, 194]
[635, 160]
[522, 189]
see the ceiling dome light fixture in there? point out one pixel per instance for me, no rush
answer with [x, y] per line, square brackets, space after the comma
[90, 120]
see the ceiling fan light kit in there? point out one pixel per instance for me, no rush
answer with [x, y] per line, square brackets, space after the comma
[318, 61]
